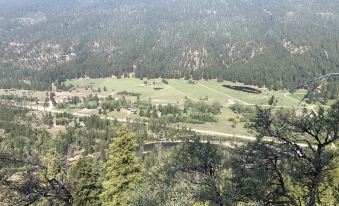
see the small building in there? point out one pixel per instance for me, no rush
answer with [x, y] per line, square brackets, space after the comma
[232, 100]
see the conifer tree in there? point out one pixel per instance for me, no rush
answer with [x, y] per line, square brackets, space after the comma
[83, 176]
[123, 170]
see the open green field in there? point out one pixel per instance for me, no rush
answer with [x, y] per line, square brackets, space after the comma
[178, 89]
[223, 125]
[39, 94]
[166, 95]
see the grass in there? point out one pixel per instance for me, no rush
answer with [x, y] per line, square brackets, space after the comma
[39, 94]
[166, 95]
[247, 98]
[176, 91]
[221, 127]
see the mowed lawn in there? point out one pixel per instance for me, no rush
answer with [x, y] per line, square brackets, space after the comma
[245, 97]
[165, 95]
[216, 89]
[299, 94]
[178, 89]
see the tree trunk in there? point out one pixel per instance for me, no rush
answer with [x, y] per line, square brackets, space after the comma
[313, 195]
[314, 191]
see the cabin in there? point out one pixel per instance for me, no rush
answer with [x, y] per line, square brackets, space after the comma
[232, 100]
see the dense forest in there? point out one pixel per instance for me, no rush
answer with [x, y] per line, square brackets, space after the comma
[95, 161]
[275, 44]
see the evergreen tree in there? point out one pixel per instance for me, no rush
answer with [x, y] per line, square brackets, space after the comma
[123, 170]
[293, 168]
[192, 175]
[84, 178]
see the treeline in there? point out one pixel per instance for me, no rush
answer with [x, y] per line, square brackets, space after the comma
[16, 98]
[192, 112]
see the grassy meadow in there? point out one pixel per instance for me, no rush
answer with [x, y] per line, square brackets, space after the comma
[177, 89]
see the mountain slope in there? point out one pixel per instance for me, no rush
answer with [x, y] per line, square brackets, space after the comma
[267, 43]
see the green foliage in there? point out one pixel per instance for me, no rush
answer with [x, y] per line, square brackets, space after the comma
[126, 93]
[241, 109]
[16, 98]
[54, 164]
[62, 86]
[293, 162]
[111, 105]
[191, 174]
[84, 179]
[193, 112]
[63, 118]
[164, 81]
[38, 181]
[123, 169]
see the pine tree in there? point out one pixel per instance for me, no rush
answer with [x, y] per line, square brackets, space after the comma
[84, 177]
[299, 158]
[123, 170]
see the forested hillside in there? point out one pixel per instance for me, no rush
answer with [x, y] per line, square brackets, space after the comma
[272, 43]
